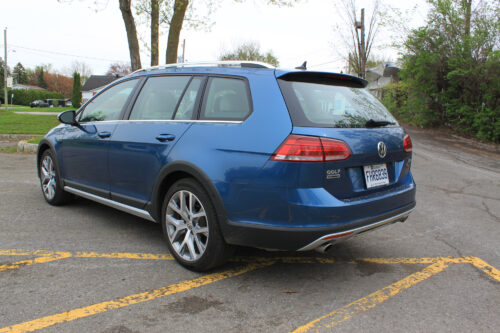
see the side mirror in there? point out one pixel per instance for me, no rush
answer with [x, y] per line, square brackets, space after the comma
[68, 117]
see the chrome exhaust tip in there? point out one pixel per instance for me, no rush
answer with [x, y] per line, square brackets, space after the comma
[323, 247]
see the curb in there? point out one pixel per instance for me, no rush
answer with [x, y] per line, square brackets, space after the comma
[25, 147]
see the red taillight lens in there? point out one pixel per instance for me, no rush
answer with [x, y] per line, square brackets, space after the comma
[302, 148]
[407, 144]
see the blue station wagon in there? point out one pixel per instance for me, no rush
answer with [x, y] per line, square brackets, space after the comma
[235, 153]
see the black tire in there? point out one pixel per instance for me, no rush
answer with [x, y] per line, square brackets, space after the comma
[49, 172]
[216, 251]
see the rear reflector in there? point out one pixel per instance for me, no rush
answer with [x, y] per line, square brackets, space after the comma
[302, 148]
[407, 144]
[337, 236]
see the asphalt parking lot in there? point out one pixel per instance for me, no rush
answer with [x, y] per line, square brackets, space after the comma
[88, 268]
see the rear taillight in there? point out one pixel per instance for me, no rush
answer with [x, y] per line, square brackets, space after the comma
[302, 148]
[407, 146]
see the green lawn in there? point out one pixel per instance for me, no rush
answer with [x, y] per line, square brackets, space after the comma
[58, 109]
[12, 123]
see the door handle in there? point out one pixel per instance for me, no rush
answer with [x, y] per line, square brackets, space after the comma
[165, 137]
[104, 135]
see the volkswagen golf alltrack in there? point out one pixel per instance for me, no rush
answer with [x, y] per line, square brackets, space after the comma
[235, 153]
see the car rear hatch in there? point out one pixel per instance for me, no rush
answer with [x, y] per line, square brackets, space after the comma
[375, 152]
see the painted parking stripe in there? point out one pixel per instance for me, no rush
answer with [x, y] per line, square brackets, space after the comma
[347, 312]
[90, 310]
[42, 257]
[485, 267]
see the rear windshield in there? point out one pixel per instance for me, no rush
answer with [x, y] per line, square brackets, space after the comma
[324, 105]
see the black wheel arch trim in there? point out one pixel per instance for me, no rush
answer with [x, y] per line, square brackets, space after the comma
[200, 176]
[44, 142]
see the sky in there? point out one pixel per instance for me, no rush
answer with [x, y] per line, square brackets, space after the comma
[62, 32]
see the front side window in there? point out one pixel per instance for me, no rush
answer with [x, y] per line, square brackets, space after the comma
[159, 97]
[226, 99]
[109, 104]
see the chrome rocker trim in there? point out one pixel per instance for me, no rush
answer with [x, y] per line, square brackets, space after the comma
[114, 204]
[324, 242]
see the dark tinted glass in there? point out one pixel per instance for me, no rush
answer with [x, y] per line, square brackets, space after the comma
[186, 108]
[159, 97]
[109, 104]
[322, 105]
[227, 99]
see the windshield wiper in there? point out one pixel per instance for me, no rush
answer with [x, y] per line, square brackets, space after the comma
[378, 123]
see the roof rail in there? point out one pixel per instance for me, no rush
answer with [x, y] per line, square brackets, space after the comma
[223, 63]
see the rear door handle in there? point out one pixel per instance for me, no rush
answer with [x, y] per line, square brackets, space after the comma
[104, 135]
[165, 137]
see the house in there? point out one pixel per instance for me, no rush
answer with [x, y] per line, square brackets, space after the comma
[380, 76]
[94, 84]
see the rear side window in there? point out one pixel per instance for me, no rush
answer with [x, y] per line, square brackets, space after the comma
[226, 99]
[159, 97]
[324, 105]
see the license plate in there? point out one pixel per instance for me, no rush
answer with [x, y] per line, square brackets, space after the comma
[376, 175]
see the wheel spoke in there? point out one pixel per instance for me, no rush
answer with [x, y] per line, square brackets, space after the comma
[199, 243]
[202, 230]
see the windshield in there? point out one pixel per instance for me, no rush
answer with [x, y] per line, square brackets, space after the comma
[322, 105]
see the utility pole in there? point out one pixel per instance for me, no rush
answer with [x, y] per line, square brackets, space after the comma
[183, 50]
[360, 25]
[5, 69]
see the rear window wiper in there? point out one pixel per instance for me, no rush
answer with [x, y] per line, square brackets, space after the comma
[378, 123]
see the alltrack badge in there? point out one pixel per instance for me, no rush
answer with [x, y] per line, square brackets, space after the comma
[382, 149]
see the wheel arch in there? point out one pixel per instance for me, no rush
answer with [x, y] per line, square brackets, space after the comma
[42, 147]
[182, 169]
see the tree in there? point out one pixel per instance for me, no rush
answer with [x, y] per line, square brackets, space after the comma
[82, 68]
[118, 68]
[451, 68]
[76, 97]
[20, 74]
[1, 76]
[59, 83]
[155, 32]
[133, 42]
[250, 51]
[39, 79]
[359, 40]
[177, 15]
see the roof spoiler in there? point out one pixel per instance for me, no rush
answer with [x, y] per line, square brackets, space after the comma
[333, 79]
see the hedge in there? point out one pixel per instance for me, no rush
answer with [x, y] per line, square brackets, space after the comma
[26, 96]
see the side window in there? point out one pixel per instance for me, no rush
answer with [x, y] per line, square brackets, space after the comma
[186, 108]
[227, 99]
[109, 104]
[159, 97]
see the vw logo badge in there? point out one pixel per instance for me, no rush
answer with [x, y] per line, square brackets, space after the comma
[382, 149]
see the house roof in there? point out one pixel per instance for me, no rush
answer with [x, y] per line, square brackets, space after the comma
[97, 81]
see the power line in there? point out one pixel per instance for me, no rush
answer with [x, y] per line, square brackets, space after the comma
[325, 63]
[65, 54]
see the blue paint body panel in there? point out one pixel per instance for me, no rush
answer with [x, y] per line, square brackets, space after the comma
[256, 193]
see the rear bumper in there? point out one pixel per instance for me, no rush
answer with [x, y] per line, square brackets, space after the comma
[309, 238]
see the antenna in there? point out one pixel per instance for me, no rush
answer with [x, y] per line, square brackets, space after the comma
[303, 66]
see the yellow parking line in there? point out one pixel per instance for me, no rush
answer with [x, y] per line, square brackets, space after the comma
[122, 255]
[90, 310]
[42, 258]
[485, 267]
[338, 316]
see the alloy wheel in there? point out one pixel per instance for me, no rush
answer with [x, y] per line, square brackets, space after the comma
[48, 175]
[187, 225]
